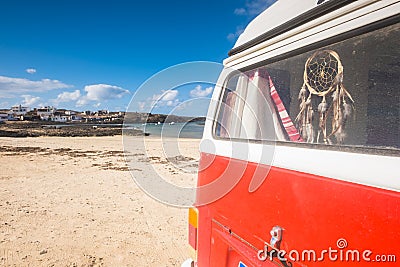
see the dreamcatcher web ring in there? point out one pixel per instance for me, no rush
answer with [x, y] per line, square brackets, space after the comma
[335, 80]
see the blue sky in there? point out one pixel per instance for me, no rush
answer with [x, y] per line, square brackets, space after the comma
[89, 55]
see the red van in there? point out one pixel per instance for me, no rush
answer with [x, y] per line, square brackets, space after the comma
[300, 158]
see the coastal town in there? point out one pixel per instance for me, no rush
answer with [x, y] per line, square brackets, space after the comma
[52, 114]
[21, 121]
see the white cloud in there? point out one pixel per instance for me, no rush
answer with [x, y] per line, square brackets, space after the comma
[142, 106]
[251, 9]
[165, 98]
[31, 70]
[172, 103]
[254, 7]
[166, 95]
[67, 97]
[198, 92]
[101, 92]
[233, 36]
[30, 101]
[10, 87]
[240, 11]
[98, 92]
[82, 102]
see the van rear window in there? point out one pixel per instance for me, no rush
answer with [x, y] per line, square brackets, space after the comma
[344, 94]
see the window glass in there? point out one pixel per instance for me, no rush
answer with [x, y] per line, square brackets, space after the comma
[345, 94]
[245, 111]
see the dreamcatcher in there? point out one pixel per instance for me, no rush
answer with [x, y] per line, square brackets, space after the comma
[323, 77]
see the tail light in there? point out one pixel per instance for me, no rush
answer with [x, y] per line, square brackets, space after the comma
[193, 235]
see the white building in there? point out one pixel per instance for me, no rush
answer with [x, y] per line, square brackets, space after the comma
[75, 117]
[46, 113]
[4, 117]
[19, 110]
[60, 118]
[103, 112]
[70, 112]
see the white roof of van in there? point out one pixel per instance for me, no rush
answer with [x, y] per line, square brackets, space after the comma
[281, 12]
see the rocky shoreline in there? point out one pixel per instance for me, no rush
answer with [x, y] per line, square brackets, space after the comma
[36, 129]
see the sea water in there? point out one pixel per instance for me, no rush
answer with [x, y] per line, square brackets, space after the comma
[176, 130]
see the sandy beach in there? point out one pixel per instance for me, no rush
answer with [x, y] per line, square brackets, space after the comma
[71, 201]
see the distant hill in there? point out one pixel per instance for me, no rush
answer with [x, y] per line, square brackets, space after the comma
[136, 117]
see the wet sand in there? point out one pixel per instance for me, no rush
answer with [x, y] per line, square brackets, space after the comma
[71, 201]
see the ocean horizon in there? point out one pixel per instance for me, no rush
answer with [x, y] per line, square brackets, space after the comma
[175, 130]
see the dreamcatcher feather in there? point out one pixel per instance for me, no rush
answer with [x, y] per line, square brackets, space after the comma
[323, 77]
